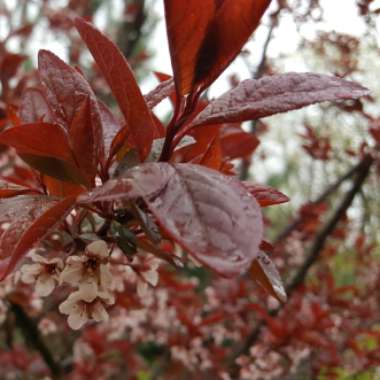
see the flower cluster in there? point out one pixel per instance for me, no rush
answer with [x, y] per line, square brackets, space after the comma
[90, 274]
[95, 280]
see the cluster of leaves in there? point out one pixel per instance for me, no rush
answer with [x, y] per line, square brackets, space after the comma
[222, 230]
[138, 184]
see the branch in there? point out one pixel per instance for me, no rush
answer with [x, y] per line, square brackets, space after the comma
[32, 336]
[320, 241]
[329, 191]
[363, 170]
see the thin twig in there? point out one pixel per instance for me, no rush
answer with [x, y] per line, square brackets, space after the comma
[329, 191]
[321, 238]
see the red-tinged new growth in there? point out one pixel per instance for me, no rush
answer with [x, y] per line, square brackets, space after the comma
[119, 77]
[132, 223]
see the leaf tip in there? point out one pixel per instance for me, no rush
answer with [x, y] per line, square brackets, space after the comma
[280, 293]
[46, 57]
[81, 24]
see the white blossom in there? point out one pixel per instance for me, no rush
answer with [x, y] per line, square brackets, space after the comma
[89, 272]
[80, 310]
[43, 272]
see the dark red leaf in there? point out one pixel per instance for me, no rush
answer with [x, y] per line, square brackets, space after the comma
[253, 99]
[66, 90]
[56, 168]
[82, 141]
[212, 216]
[266, 246]
[212, 156]
[10, 190]
[10, 64]
[264, 272]
[203, 138]
[265, 195]
[120, 141]
[237, 143]
[33, 229]
[162, 77]
[119, 77]
[61, 189]
[34, 107]
[375, 133]
[111, 127]
[205, 36]
[44, 147]
[160, 128]
[41, 139]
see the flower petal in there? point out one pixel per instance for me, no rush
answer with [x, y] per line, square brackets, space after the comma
[151, 276]
[98, 248]
[45, 285]
[142, 289]
[88, 289]
[78, 319]
[72, 273]
[70, 305]
[98, 312]
[29, 272]
[38, 258]
[105, 276]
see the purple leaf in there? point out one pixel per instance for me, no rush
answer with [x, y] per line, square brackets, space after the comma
[34, 107]
[111, 126]
[253, 99]
[212, 216]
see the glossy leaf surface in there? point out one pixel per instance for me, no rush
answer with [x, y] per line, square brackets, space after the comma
[44, 147]
[212, 216]
[265, 195]
[66, 90]
[41, 139]
[82, 140]
[237, 143]
[264, 272]
[119, 77]
[205, 36]
[253, 99]
[111, 127]
[34, 107]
